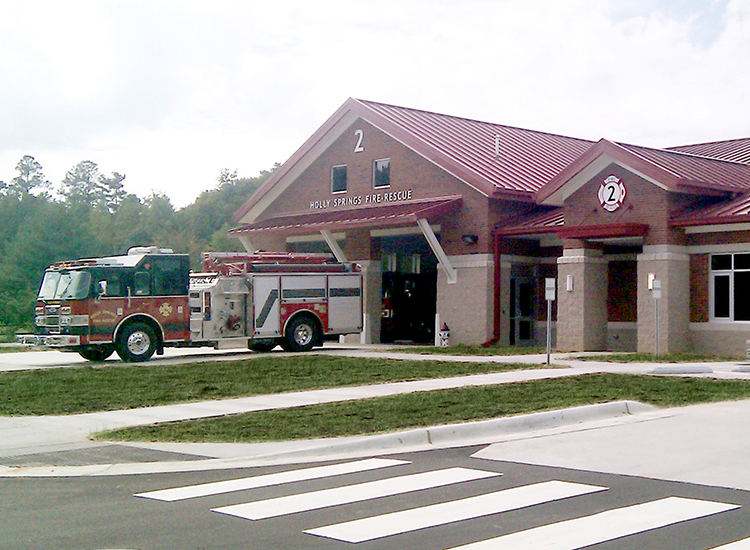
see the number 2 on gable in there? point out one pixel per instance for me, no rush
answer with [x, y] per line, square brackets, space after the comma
[360, 137]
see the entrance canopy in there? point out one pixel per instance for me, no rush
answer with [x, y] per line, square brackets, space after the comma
[389, 215]
[552, 223]
[394, 214]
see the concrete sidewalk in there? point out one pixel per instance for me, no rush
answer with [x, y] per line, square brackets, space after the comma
[45, 445]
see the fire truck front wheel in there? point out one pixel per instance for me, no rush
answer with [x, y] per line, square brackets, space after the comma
[136, 342]
[301, 334]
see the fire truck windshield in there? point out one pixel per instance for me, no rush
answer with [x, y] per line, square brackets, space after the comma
[65, 285]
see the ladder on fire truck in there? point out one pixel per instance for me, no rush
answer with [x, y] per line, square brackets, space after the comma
[240, 263]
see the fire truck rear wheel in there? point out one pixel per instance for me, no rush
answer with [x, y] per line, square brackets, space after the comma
[96, 353]
[136, 342]
[301, 334]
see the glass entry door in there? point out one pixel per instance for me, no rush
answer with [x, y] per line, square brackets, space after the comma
[521, 311]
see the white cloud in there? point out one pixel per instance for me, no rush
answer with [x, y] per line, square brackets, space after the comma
[171, 92]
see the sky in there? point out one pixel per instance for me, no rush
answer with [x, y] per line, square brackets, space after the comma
[169, 93]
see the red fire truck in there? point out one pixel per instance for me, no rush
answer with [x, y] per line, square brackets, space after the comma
[138, 304]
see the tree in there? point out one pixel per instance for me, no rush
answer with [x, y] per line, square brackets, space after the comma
[30, 179]
[80, 187]
[47, 235]
[113, 191]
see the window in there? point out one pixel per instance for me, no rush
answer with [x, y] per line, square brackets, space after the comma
[390, 262]
[142, 284]
[338, 179]
[170, 276]
[381, 173]
[730, 287]
[65, 285]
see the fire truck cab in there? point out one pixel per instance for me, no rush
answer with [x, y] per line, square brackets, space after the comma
[134, 305]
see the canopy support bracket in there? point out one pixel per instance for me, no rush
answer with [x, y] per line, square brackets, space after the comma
[437, 249]
[333, 245]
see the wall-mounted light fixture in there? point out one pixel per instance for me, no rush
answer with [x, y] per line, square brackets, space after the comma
[469, 239]
[569, 283]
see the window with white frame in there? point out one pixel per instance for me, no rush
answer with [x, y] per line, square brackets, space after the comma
[338, 179]
[730, 287]
[381, 173]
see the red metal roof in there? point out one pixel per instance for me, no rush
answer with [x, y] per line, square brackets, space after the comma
[547, 221]
[527, 159]
[698, 171]
[553, 222]
[735, 150]
[676, 171]
[733, 211]
[372, 216]
[460, 146]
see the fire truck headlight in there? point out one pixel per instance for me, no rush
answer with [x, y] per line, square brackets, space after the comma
[65, 310]
[39, 321]
[39, 310]
[65, 320]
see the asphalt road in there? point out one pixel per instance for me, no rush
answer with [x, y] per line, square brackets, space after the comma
[103, 512]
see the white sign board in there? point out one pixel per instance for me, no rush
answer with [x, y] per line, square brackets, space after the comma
[549, 288]
[656, 289]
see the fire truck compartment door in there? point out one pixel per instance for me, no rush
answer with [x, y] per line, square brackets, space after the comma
[302, 289]
[345, 303]
[266, 305]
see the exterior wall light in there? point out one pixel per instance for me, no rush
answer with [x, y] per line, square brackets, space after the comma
[469, 239]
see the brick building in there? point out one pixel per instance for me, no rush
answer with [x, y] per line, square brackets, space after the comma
[460, 222]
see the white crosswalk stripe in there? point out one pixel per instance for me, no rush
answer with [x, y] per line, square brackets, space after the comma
[353, 493]
[743, 544]
[573, 534]
[604, 526]
[449, 512]
[306, 474]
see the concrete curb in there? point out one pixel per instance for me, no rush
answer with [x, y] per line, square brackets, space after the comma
[455, 435]
[486, 431]
[682, 369]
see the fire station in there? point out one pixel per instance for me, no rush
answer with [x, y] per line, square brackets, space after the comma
[459, 222]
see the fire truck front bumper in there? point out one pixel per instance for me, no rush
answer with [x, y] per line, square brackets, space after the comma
[49, 340]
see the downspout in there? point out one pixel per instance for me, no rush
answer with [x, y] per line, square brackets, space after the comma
[496, 292]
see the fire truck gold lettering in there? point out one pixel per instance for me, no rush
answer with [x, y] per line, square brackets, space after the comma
[103, 317]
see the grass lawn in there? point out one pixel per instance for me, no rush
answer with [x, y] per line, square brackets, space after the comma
[13, 348]
[439, 407]
[103, 387]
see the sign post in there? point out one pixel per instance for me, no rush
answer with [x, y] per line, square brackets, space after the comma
[656, 290]
[549, 295]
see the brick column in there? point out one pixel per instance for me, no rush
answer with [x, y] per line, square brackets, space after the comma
[468, 305]
[372, 283]
[582, 311]
[671, 265]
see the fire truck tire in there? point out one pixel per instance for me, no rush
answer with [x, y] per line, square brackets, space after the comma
[96, 353]
[136, 342]
[301, 334]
